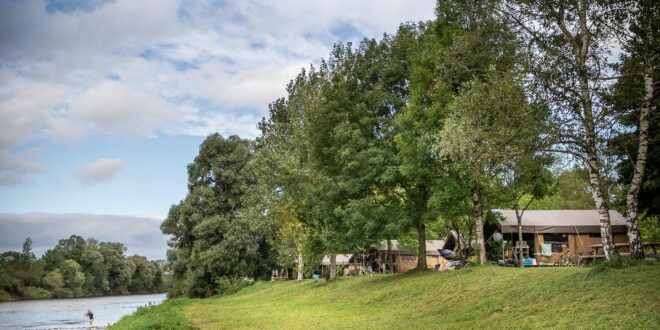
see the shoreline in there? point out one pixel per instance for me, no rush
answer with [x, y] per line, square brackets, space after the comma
[85, 297]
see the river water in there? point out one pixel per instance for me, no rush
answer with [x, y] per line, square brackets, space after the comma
[70, 313]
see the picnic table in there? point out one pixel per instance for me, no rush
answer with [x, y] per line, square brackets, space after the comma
[596, 247]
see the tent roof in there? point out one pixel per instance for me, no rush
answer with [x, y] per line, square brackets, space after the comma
[432, 246]
[558, 221]
[342, 259]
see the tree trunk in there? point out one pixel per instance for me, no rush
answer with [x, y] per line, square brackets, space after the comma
[478, 212]
[388, 256]
[636, 250]
[421, 244]
[520, 239]
[300, 265]
[333, 266]
[593, 163]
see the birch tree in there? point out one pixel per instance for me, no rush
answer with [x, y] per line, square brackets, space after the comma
[570, 46]
[635, 95]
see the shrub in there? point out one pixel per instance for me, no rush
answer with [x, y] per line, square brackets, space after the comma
[615, 262]
[4, 296]
[32, 292]
[228, 285]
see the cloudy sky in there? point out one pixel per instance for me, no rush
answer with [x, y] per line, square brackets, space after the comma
[103, 103]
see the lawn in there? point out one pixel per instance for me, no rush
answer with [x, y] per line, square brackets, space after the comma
[477, 297]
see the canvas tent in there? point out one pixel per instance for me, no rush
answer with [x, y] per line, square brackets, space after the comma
[558, 221]
[553, 234]
[405, 259]
[342, 259]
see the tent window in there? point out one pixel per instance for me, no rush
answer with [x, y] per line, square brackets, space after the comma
[557, 240]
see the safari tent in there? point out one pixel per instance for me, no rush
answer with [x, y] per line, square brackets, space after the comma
[375, 259]
[405, 259]
[551, 234]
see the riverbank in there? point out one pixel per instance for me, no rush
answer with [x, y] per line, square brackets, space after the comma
[102, 296]
[489, 297]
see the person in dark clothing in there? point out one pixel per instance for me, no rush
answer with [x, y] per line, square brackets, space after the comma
[90, 314]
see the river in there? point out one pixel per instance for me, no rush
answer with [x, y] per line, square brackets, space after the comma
[64, 313]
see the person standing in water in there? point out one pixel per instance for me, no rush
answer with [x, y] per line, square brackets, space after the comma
[90, 314]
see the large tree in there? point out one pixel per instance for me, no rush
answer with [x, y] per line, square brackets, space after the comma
[570, 41]
[212, 236]
[634, 95]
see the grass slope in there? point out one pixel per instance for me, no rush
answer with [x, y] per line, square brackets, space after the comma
[569, 297]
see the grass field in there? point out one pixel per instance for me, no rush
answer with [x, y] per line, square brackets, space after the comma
[477, 297]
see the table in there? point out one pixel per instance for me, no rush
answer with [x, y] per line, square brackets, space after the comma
[597, 247]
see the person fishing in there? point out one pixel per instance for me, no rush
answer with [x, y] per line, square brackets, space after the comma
[90, 314]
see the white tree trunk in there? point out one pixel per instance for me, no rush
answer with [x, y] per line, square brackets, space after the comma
[636, 250]
[300, 265]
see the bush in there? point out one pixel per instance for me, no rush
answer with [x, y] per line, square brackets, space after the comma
[615, 262]
[4, 296]
[32, 292]
[228, 285]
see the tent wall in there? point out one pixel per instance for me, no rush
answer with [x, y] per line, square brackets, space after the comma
[578, 244]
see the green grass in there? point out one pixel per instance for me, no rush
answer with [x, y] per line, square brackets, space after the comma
[479, 297]
[167, 315]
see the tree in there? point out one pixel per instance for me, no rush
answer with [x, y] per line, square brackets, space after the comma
[634, 96]
[531, 181]
[492, 129]
[73, 276]
[569, 190]
[212, 236]
[569, 41]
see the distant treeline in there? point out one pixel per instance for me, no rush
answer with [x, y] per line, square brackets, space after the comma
[76, 267]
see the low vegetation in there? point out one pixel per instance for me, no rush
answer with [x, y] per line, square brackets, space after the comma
[488, 297]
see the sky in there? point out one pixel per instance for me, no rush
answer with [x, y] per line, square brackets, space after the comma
[104, 103]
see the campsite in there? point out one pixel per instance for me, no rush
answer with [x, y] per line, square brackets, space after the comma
[293, 164]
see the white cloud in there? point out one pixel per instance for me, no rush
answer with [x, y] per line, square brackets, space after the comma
[100, 170]
[112, 107]
[13, 166]
[164, 66]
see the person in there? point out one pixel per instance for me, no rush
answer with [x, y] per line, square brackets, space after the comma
[90, 314]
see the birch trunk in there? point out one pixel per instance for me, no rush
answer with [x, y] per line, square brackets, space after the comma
[636, 250]
[478, 212]
[333, 266]
[421, 244]
[300, 265]
[581, 50]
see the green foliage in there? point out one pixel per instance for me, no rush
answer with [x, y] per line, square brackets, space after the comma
[76, 267]
[228, 285]
[570, 191]
[31, 292]
[649, 228]
[214, 233]
[4, 296]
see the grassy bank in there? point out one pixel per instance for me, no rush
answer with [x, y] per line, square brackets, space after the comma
[570, 297]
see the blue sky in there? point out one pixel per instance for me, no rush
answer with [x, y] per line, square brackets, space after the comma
[103, 103]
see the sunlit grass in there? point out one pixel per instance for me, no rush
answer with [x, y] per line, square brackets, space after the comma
[481, 297]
